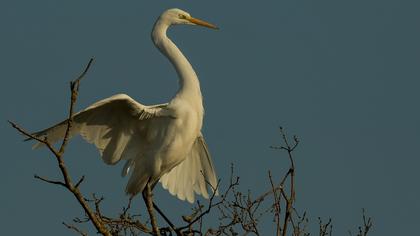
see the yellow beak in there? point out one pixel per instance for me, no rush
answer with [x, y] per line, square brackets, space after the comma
[202, 23]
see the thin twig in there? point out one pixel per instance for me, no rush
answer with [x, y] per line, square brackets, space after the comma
[171, 225]
[276, 204]
[79, 182]
[77, 230]
[289, 200]
[30, 136]
[74, 87]
[210, 206]
[49, 181]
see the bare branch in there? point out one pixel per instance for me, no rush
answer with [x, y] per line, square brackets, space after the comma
[50, 181]
[210, 206]
[82, 75]
[171, 225]
[59, 157]
[74, 87]
[276, 204]
[325, 229]
[79, 182]
[367, 223]
[43, 141]
[365, 228]
[74, 228]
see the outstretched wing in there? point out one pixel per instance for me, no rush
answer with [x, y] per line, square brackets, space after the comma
[115, 125]
[192, 174]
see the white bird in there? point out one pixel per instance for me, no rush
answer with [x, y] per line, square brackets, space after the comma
[158, 142]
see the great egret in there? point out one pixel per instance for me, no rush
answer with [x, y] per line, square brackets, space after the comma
[159, 142]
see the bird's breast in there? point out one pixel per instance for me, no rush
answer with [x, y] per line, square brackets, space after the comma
[181, 134]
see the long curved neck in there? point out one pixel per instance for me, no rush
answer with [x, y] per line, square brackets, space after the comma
[188, 81]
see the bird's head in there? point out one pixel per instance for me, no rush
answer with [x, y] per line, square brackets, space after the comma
[177, 16]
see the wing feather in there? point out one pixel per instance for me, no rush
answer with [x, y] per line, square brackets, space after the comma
[115, 125]
[191, 175]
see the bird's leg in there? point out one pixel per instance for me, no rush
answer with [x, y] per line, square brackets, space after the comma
[147, 197]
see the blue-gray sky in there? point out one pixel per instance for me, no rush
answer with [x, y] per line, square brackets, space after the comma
[342, 75]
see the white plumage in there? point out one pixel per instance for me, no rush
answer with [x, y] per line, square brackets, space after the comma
[159, 142]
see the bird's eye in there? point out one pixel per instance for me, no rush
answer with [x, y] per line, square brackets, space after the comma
[181, 16]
